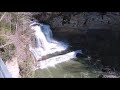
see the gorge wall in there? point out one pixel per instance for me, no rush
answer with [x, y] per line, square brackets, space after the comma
[96, 33]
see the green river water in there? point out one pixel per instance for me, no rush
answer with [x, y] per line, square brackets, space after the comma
[69, 69]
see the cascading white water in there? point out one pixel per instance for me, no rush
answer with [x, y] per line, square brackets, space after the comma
[51, 62]
[47, 32]
[45, 44]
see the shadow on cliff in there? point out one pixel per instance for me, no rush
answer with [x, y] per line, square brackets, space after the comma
[100, 44]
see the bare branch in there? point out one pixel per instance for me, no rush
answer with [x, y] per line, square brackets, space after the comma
[5, 44]
[2, 16]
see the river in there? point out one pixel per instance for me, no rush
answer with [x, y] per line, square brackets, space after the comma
[60, 66]
[69, 69]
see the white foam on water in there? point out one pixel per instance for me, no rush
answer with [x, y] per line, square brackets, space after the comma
[45, 44]
[51, 62]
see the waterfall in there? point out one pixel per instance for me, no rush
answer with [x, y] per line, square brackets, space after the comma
[45, 44]
[47, 32]
[51, 62]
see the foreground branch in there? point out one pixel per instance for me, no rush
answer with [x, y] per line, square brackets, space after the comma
[2, 16]
[5, 44]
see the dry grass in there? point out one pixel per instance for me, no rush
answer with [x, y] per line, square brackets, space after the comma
[26, 69]
[14, 28]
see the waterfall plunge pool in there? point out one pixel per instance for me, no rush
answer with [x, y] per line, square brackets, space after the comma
[67, 65]
[69, 69]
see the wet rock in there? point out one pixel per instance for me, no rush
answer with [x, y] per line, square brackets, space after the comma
[79, 55]
[2, 50]
[101, 76]
[111, 76]
[79, 19]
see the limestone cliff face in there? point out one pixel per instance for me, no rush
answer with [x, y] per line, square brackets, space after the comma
[80, 20]
[96, 32]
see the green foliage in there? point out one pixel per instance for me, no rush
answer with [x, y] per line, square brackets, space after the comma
[7, 52]
[5, 26]
[2, 41]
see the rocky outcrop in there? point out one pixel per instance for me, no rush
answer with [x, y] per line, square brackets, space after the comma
[97, 33]
[79, 20]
